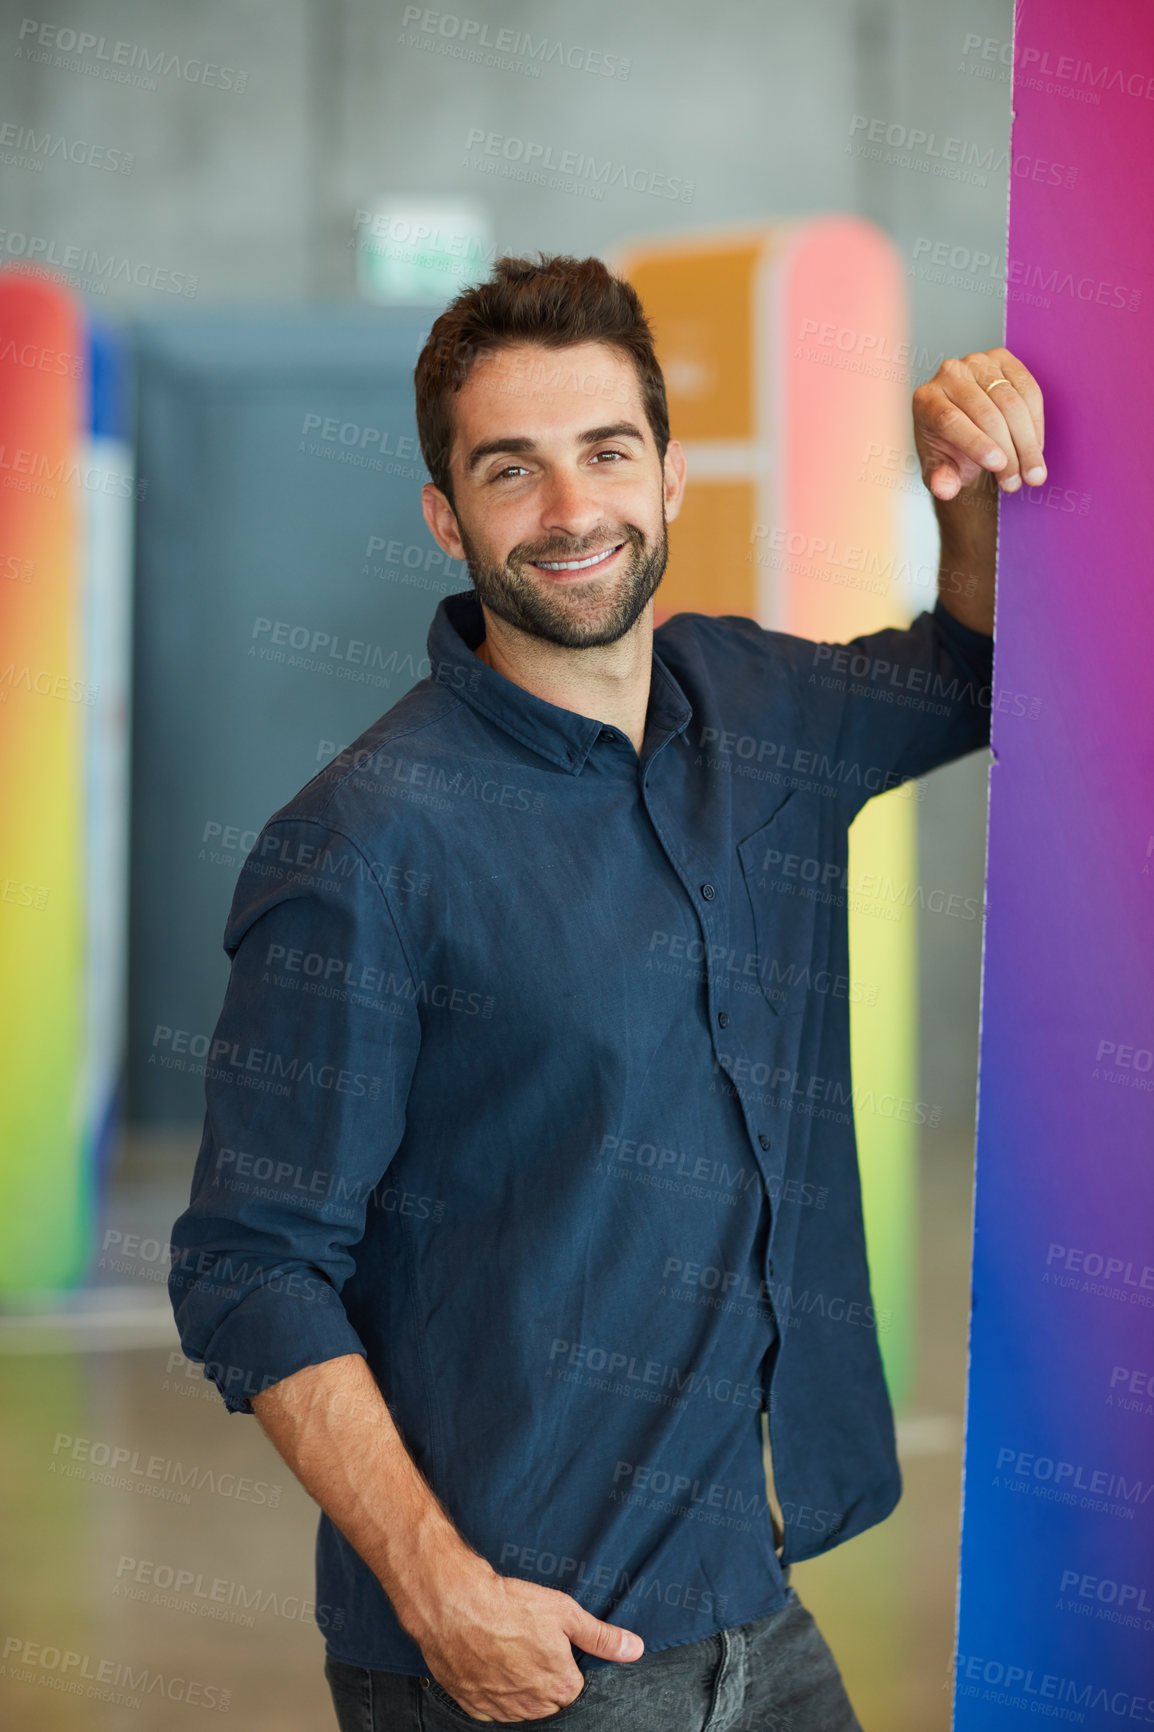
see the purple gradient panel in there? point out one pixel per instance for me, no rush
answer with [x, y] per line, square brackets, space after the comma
[1056, 1600]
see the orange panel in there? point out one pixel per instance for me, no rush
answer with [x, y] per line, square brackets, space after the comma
[700, 305]
[709, 565]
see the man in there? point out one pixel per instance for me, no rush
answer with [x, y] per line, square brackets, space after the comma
[516, 1207]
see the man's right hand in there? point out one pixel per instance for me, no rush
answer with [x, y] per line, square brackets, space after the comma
[501, 1647]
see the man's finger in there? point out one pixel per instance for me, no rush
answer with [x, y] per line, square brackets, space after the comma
[1014, 391]
[944, 481]
[992, 403]
[607, 1641]
[1003, 396]
[963, 418]
[1027, 451]
[1026, 386]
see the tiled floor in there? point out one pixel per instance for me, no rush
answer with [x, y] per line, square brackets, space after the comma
[145, 1560]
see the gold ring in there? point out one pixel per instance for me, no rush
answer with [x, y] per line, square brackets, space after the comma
[998, 382]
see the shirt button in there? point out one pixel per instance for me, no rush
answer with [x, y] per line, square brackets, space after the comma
[425, 1683]
[708, 892]
[606, 734]
[763, 1140]
[723, 1019]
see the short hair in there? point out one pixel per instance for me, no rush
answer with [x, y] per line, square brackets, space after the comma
[556, 301]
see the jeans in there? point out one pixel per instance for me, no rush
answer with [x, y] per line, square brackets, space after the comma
[775, 1674]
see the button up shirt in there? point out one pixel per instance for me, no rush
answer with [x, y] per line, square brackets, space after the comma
[531, 1085]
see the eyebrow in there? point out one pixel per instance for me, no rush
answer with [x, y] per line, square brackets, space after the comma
[517, 444]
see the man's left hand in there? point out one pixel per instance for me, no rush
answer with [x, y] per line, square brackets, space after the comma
[962, 426]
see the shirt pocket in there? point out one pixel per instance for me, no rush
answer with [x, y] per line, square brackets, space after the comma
[783, 879]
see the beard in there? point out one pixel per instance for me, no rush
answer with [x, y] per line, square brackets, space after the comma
[599, 612]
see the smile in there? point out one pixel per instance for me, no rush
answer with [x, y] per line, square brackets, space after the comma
[579, 564]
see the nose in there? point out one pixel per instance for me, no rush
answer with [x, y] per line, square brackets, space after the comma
[570, 507]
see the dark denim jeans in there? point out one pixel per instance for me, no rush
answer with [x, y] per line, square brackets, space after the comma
[773, 1675]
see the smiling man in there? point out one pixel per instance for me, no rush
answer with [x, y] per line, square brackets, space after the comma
[522, 1215]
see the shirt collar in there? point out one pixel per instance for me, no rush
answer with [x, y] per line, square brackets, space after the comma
[561, 735]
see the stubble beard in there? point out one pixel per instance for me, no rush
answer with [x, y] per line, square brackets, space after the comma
[599, 612]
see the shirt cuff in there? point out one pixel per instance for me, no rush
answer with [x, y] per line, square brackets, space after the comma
[292, 1320]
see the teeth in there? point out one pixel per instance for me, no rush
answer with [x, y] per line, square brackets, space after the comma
[576, 564]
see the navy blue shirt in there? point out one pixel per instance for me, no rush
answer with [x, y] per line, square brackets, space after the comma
[531, 1085]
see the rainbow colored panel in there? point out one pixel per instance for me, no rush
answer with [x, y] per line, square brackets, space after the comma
[44, 700]
[1056, 1606]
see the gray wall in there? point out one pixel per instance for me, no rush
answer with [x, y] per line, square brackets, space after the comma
[251, 193]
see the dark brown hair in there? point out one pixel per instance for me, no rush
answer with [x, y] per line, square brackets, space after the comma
[557, 301]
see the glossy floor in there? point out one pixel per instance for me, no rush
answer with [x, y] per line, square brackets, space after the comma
[158, 1597]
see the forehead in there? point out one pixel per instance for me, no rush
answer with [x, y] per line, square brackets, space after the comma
[528, 389]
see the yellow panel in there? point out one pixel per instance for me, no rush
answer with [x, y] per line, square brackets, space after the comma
[700, 304]
[709, 567]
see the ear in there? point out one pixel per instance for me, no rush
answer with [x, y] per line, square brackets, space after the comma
[674, 478]
[442, 521]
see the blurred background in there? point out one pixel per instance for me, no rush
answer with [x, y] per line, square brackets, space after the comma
[226, 231]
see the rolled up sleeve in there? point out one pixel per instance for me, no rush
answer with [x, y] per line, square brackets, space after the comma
[306, 1081]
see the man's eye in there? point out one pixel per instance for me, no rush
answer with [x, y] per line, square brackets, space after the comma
[508, 470]
[620, 454]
